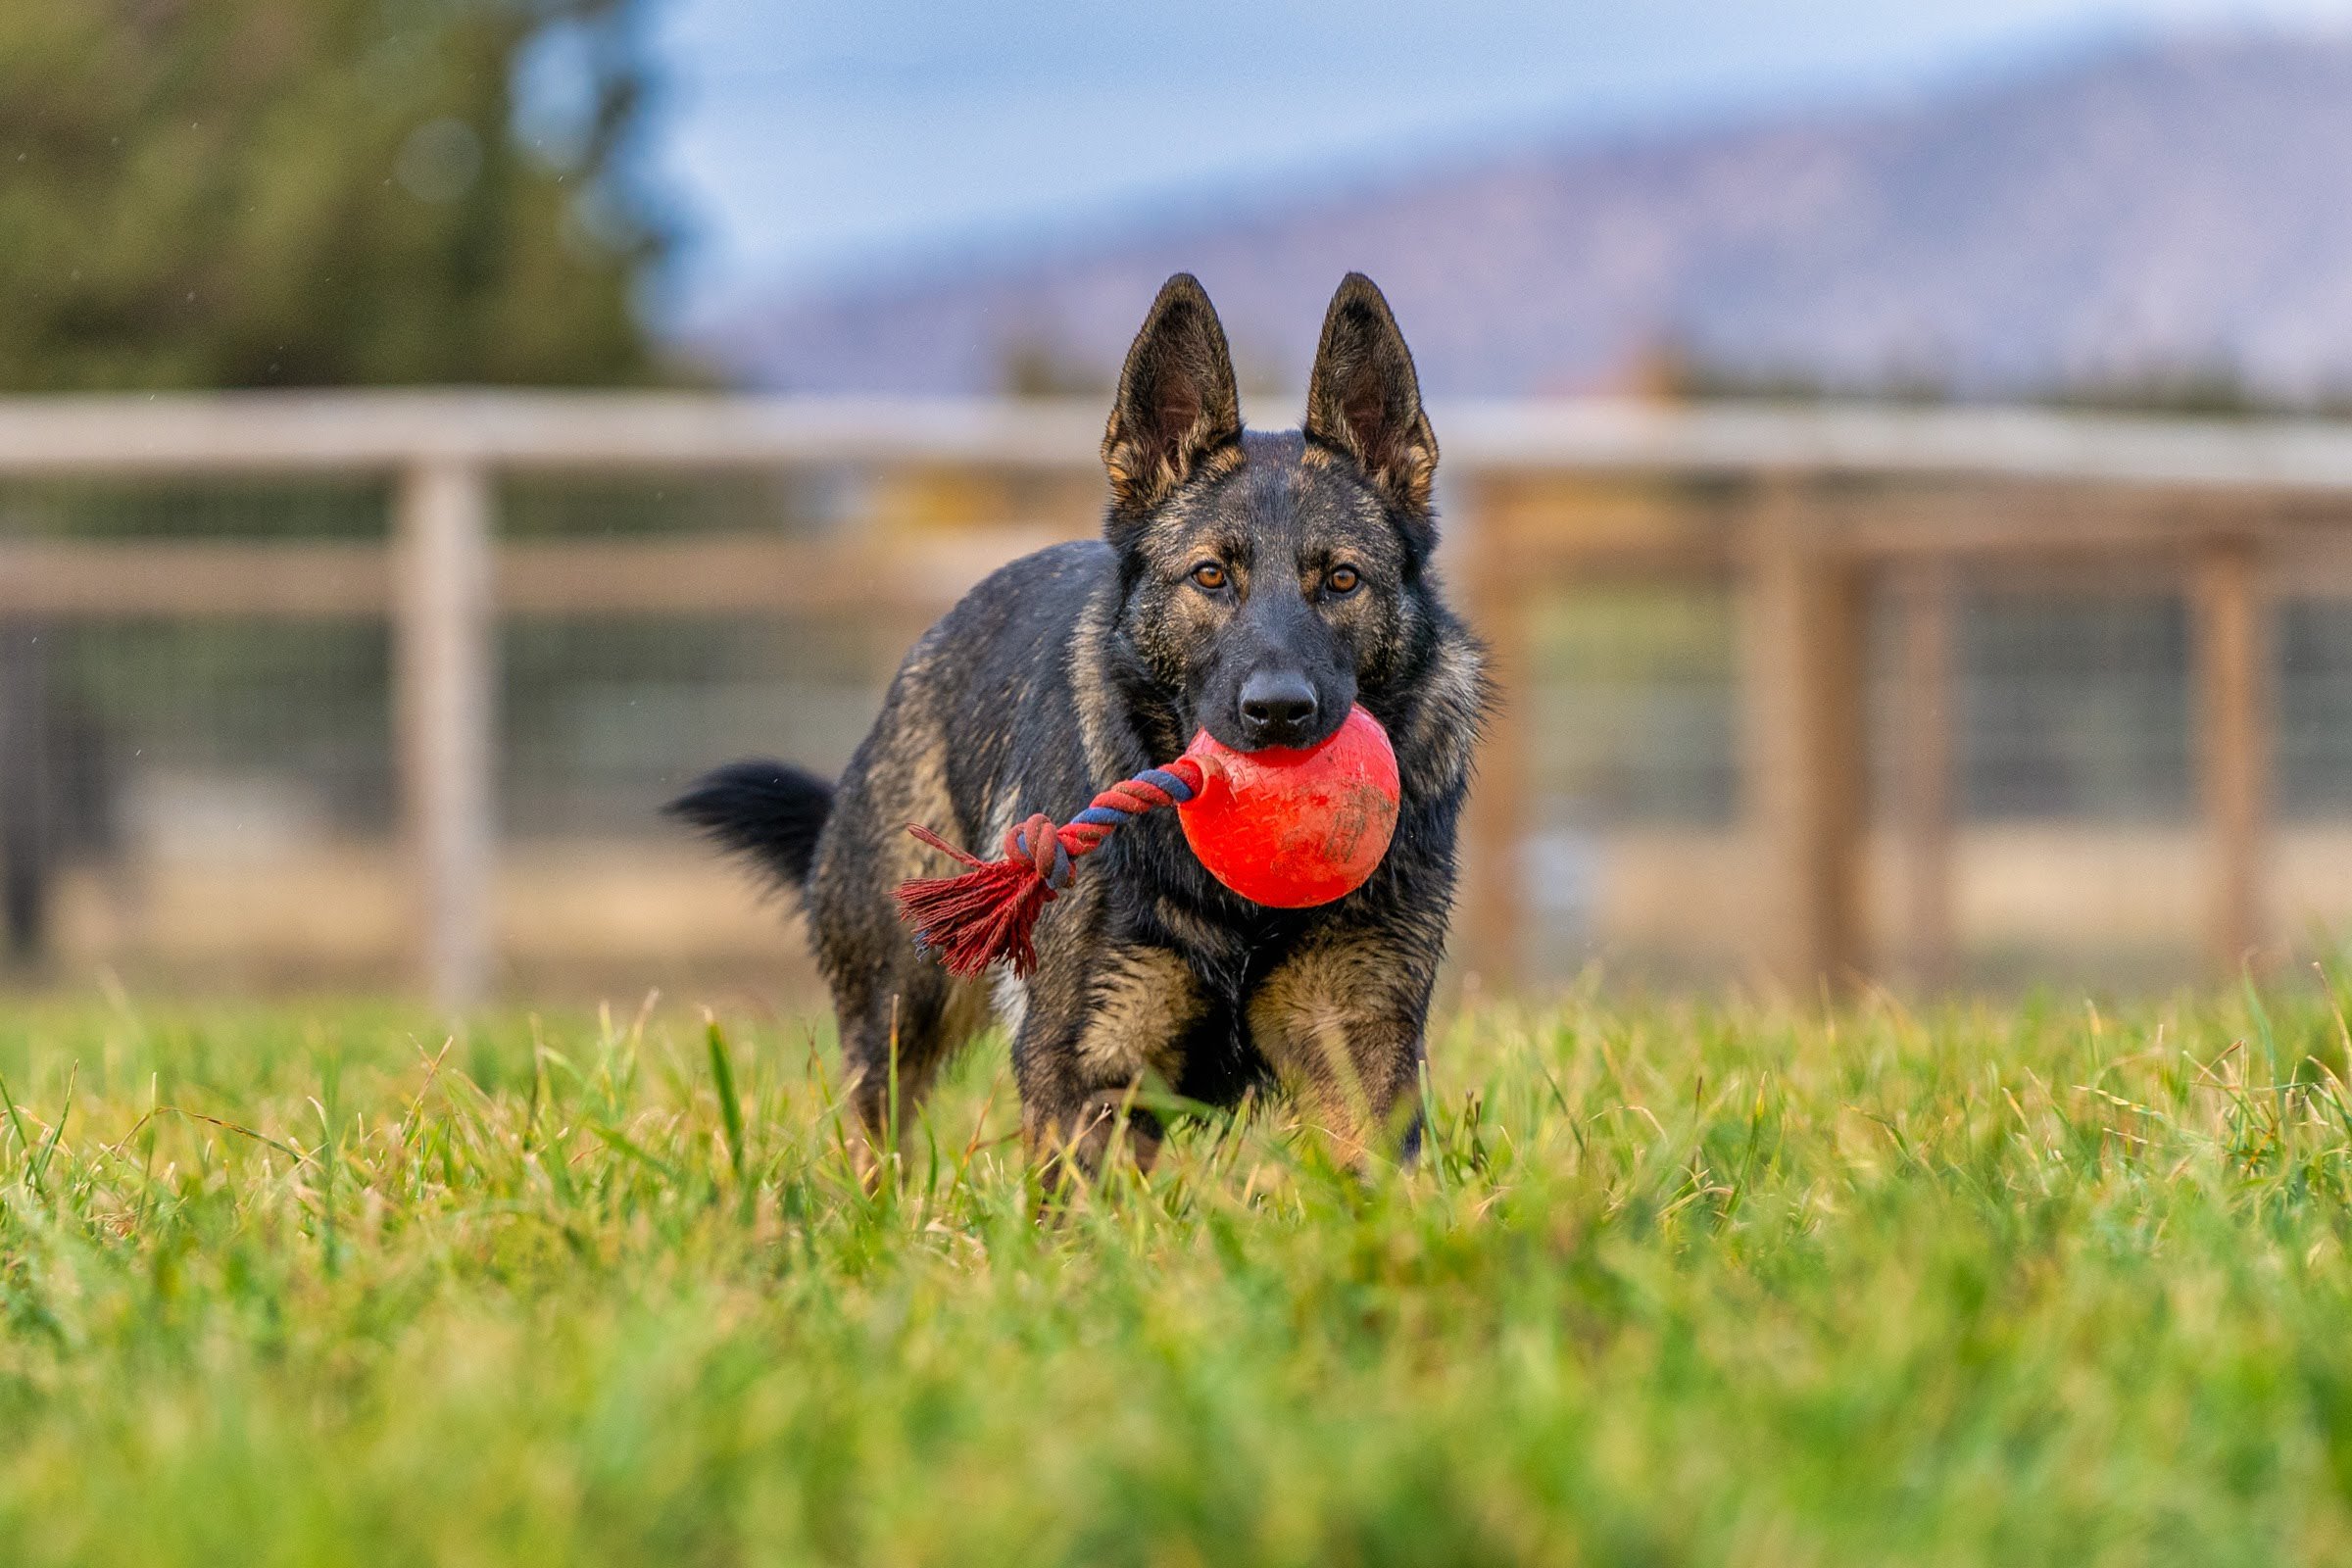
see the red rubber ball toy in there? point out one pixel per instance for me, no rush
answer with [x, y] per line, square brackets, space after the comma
[1288, 828]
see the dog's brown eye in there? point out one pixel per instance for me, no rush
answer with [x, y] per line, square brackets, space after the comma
[1342, 580]
[1208, 575]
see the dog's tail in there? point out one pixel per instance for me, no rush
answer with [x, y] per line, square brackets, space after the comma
[766, 811]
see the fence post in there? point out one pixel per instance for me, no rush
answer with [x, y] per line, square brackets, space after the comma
[27, 804]
[446, 684]
[1494, 904]
[1804, 744]
[1925, 716]
[2233, 743]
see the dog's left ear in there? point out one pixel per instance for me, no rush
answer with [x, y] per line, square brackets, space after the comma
[1364, 399]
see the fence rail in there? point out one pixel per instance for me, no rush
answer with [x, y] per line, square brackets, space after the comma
[312, 432]
[1802, 508]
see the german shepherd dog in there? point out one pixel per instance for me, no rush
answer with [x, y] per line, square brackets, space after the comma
[1256, 585]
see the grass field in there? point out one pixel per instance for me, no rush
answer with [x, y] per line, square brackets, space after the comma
[2035, 1283]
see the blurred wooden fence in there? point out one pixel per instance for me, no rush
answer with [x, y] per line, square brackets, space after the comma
[1806, 511]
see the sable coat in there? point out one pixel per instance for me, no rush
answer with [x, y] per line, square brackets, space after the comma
[1252, 584]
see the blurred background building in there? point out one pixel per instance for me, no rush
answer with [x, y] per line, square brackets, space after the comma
[1818, 660]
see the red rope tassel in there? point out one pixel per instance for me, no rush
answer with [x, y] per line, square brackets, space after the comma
[971, 920]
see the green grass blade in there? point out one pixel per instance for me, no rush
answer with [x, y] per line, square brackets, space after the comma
[730, 1107]
[15, 1120]
[40, 1166]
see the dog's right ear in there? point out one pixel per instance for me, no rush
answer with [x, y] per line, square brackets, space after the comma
[1176, 402]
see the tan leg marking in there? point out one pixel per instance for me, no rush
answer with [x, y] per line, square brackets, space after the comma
[1341, 1023]
[1140, 1002]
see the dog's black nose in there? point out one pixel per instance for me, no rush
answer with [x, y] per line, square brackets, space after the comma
[1278, 708]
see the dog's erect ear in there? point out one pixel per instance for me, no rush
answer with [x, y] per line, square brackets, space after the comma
[1364, 399]
[1176, 401]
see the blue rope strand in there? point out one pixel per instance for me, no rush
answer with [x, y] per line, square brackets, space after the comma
[1161, 778]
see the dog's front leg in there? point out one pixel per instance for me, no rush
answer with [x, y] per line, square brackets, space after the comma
[1341, 1022]
[1098, 1019]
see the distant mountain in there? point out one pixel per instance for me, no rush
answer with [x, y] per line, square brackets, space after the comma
[2177, 217]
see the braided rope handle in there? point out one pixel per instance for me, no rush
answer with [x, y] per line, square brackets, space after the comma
[972, 921]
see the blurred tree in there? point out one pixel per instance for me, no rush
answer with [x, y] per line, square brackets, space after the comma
[305, 192]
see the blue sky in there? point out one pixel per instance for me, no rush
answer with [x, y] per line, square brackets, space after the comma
[823, 136]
